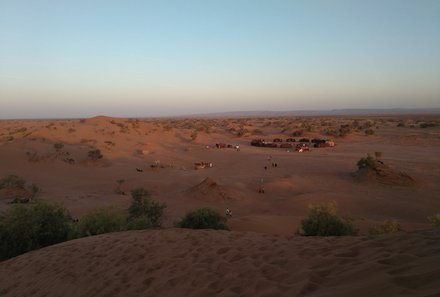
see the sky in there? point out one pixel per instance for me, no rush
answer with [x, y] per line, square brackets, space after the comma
[162, 58]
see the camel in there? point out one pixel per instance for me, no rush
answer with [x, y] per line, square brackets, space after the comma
[302, 148]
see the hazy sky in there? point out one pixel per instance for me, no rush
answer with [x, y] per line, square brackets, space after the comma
[150, 58]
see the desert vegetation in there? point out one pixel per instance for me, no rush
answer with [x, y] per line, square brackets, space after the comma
[203, 218]
[99, 221]
[435, 220]
[23, 229]
[144, 208]
[16, 189]
[12, 181]
[95, 154]
[58, 146]
[323, 220]
[367, 162]
[387, 227]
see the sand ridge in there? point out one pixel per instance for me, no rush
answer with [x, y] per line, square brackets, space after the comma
[178, 262]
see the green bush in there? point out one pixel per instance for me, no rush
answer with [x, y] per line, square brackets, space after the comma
[95, 154]
[435, 220]
[23, 229]
[99, 221]
[427, 125]
[58, 146]
[344, 130]
[143, 206]
[368, 162]
[12, 181]
[203, 218]
[139, 223]
[388, 227]
[241, 132]
[324, 221]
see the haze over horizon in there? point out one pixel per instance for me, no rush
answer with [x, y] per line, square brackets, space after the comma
[150, 58]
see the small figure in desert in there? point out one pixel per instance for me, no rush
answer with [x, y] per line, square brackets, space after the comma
[228, 213]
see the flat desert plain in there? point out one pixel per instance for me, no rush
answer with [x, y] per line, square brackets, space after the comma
[262, 255]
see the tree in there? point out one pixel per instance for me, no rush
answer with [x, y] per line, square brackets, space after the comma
[23, 229]
[143, 206]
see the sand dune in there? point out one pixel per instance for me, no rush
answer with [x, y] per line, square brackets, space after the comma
[209, 190]
[177, 262]
[383, 174]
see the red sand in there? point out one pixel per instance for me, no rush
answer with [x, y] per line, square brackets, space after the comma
[253, 264]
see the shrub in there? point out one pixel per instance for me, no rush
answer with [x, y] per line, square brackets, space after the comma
[435, 220]
[427, 125]
[143, 206]
[24, 229]
[34, 190]
[99, 221]
[95, 154]
[242, 131]
[297, 133]
[324, 221]
[139, 223]
[344, 130]
[388, 227]
[369, 132]
[118, 189]
[257, 132]
[58, 146]
[203, 218]
[15, 182]
[12, 181]
[368, 162]
[331, 132]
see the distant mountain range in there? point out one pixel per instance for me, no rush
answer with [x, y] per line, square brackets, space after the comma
[333, 112]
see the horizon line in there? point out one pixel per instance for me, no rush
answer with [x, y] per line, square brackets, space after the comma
[262, 113]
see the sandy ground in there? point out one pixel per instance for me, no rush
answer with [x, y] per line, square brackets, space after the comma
[321, 175]
[176, 262]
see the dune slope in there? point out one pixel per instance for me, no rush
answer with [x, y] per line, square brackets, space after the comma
[177, 262]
